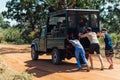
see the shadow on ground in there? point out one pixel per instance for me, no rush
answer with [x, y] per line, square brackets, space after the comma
[43, 67]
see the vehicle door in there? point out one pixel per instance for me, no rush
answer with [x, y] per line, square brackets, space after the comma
[43, 39]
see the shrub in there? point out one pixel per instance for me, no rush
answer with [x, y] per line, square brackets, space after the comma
[114, 38]
[101, 40]
[1, 34]
[25, 35]
[18, 36]
[118, 38]
[12, 34]
[19, 41]
[34, 34]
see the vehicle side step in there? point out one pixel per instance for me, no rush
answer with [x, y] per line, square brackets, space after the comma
[41, 52]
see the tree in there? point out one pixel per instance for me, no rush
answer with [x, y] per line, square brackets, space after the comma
[34, 12]
[3, 24]
[110, 15]
[30, 12]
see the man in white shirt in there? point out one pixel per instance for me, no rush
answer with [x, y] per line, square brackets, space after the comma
[79, 51]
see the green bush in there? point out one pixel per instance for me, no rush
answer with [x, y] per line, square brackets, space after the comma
[118, 38]
[114, 38]
[17, 36]
[101, 40]
[1, 34]
[25, 35]
[34, 34]
[12, 34]
[19, 41]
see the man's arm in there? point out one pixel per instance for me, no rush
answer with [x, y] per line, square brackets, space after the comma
[100, 35]
[82, 35]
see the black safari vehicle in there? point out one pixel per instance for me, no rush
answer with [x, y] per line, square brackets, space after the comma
[59, 25]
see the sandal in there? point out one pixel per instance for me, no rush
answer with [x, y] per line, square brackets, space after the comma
[110, 67]
[88, 69]
[102, 68]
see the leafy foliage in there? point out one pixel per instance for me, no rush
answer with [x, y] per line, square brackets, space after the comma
[12, 34]
[32, 13]
[110, 15]
[26, 12]
[115, 38]
[3, 24]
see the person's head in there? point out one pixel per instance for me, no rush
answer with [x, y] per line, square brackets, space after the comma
[89, 29]
[104, 30]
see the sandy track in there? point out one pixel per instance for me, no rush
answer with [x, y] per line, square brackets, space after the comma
[18, 58]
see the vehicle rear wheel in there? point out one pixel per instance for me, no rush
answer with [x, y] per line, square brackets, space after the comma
[34, 54]
[56, 59]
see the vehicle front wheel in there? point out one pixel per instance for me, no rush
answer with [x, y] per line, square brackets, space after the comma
[56, 59]
[34, 54]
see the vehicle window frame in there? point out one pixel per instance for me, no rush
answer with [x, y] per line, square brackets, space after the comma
[43, 33]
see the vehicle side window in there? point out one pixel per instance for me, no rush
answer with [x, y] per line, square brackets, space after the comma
[56, 27]
[43, 33]
[94, 22]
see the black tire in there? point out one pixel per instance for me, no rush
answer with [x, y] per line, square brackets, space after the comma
[56, 58]
[34, 54]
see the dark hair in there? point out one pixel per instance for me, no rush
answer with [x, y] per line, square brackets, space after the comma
[104, 29]
[89, 29]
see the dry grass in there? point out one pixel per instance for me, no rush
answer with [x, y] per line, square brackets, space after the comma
[8, 74]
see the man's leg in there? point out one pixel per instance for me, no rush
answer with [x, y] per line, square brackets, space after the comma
[101, 61]
[97, 49]
[82, 54]
[91, 60]
[111, 62]
[91, 51]
[109, 58]
[77, 57]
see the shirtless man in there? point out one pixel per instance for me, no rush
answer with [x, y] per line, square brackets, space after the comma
[94, 45]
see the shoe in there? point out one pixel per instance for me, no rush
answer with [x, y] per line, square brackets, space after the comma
[110, 67]
[88, 69]
[91, 67]
[79, 69]
[102, 68]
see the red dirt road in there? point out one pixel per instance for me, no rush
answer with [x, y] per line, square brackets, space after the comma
[18, 58]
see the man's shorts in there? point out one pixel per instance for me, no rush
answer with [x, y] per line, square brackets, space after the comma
[109, 53]
[94, 47]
